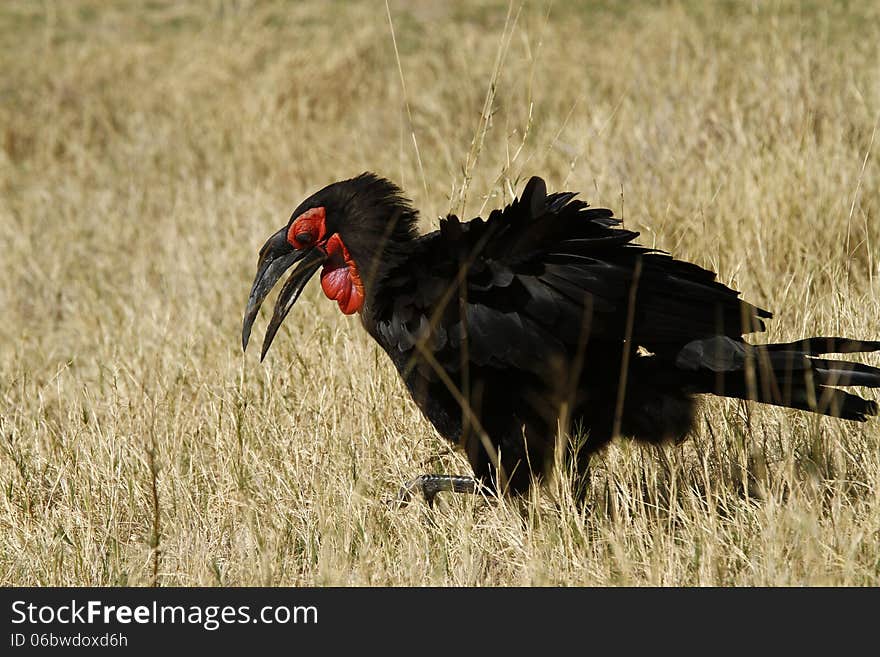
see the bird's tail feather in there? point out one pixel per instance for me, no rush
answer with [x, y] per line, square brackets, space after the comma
[783, 374]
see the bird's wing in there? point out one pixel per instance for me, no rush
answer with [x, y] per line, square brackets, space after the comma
[535, 280]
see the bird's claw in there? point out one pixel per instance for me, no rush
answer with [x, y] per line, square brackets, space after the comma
[429, 485]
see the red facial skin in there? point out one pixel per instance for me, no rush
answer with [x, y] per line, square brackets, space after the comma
[311, 223]
[340, 278]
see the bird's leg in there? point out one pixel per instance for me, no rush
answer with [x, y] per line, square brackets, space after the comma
[431, 484]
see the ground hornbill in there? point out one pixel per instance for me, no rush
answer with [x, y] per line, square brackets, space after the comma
[545, 319]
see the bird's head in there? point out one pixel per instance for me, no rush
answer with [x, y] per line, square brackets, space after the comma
[352, 230]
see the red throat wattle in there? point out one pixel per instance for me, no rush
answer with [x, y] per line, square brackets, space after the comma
[340, 278]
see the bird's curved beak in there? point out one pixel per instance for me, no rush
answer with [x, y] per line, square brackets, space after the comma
[276, 257]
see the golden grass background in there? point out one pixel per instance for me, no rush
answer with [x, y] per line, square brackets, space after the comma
[148, 149]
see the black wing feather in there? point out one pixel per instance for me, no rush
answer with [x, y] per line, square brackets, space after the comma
[531, 270]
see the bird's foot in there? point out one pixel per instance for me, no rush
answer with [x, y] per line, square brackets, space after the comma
[431, 484]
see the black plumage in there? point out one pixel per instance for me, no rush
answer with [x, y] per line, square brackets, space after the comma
[548, 311]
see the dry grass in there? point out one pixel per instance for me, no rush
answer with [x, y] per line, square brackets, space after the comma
[146, 150]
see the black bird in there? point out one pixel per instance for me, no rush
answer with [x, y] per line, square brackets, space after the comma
[544, 319]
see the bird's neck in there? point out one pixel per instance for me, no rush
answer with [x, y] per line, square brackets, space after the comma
[375, 265]
[379, 238]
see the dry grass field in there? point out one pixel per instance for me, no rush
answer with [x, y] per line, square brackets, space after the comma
[148, 149]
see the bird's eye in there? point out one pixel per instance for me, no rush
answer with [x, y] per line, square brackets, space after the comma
[304, 238]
